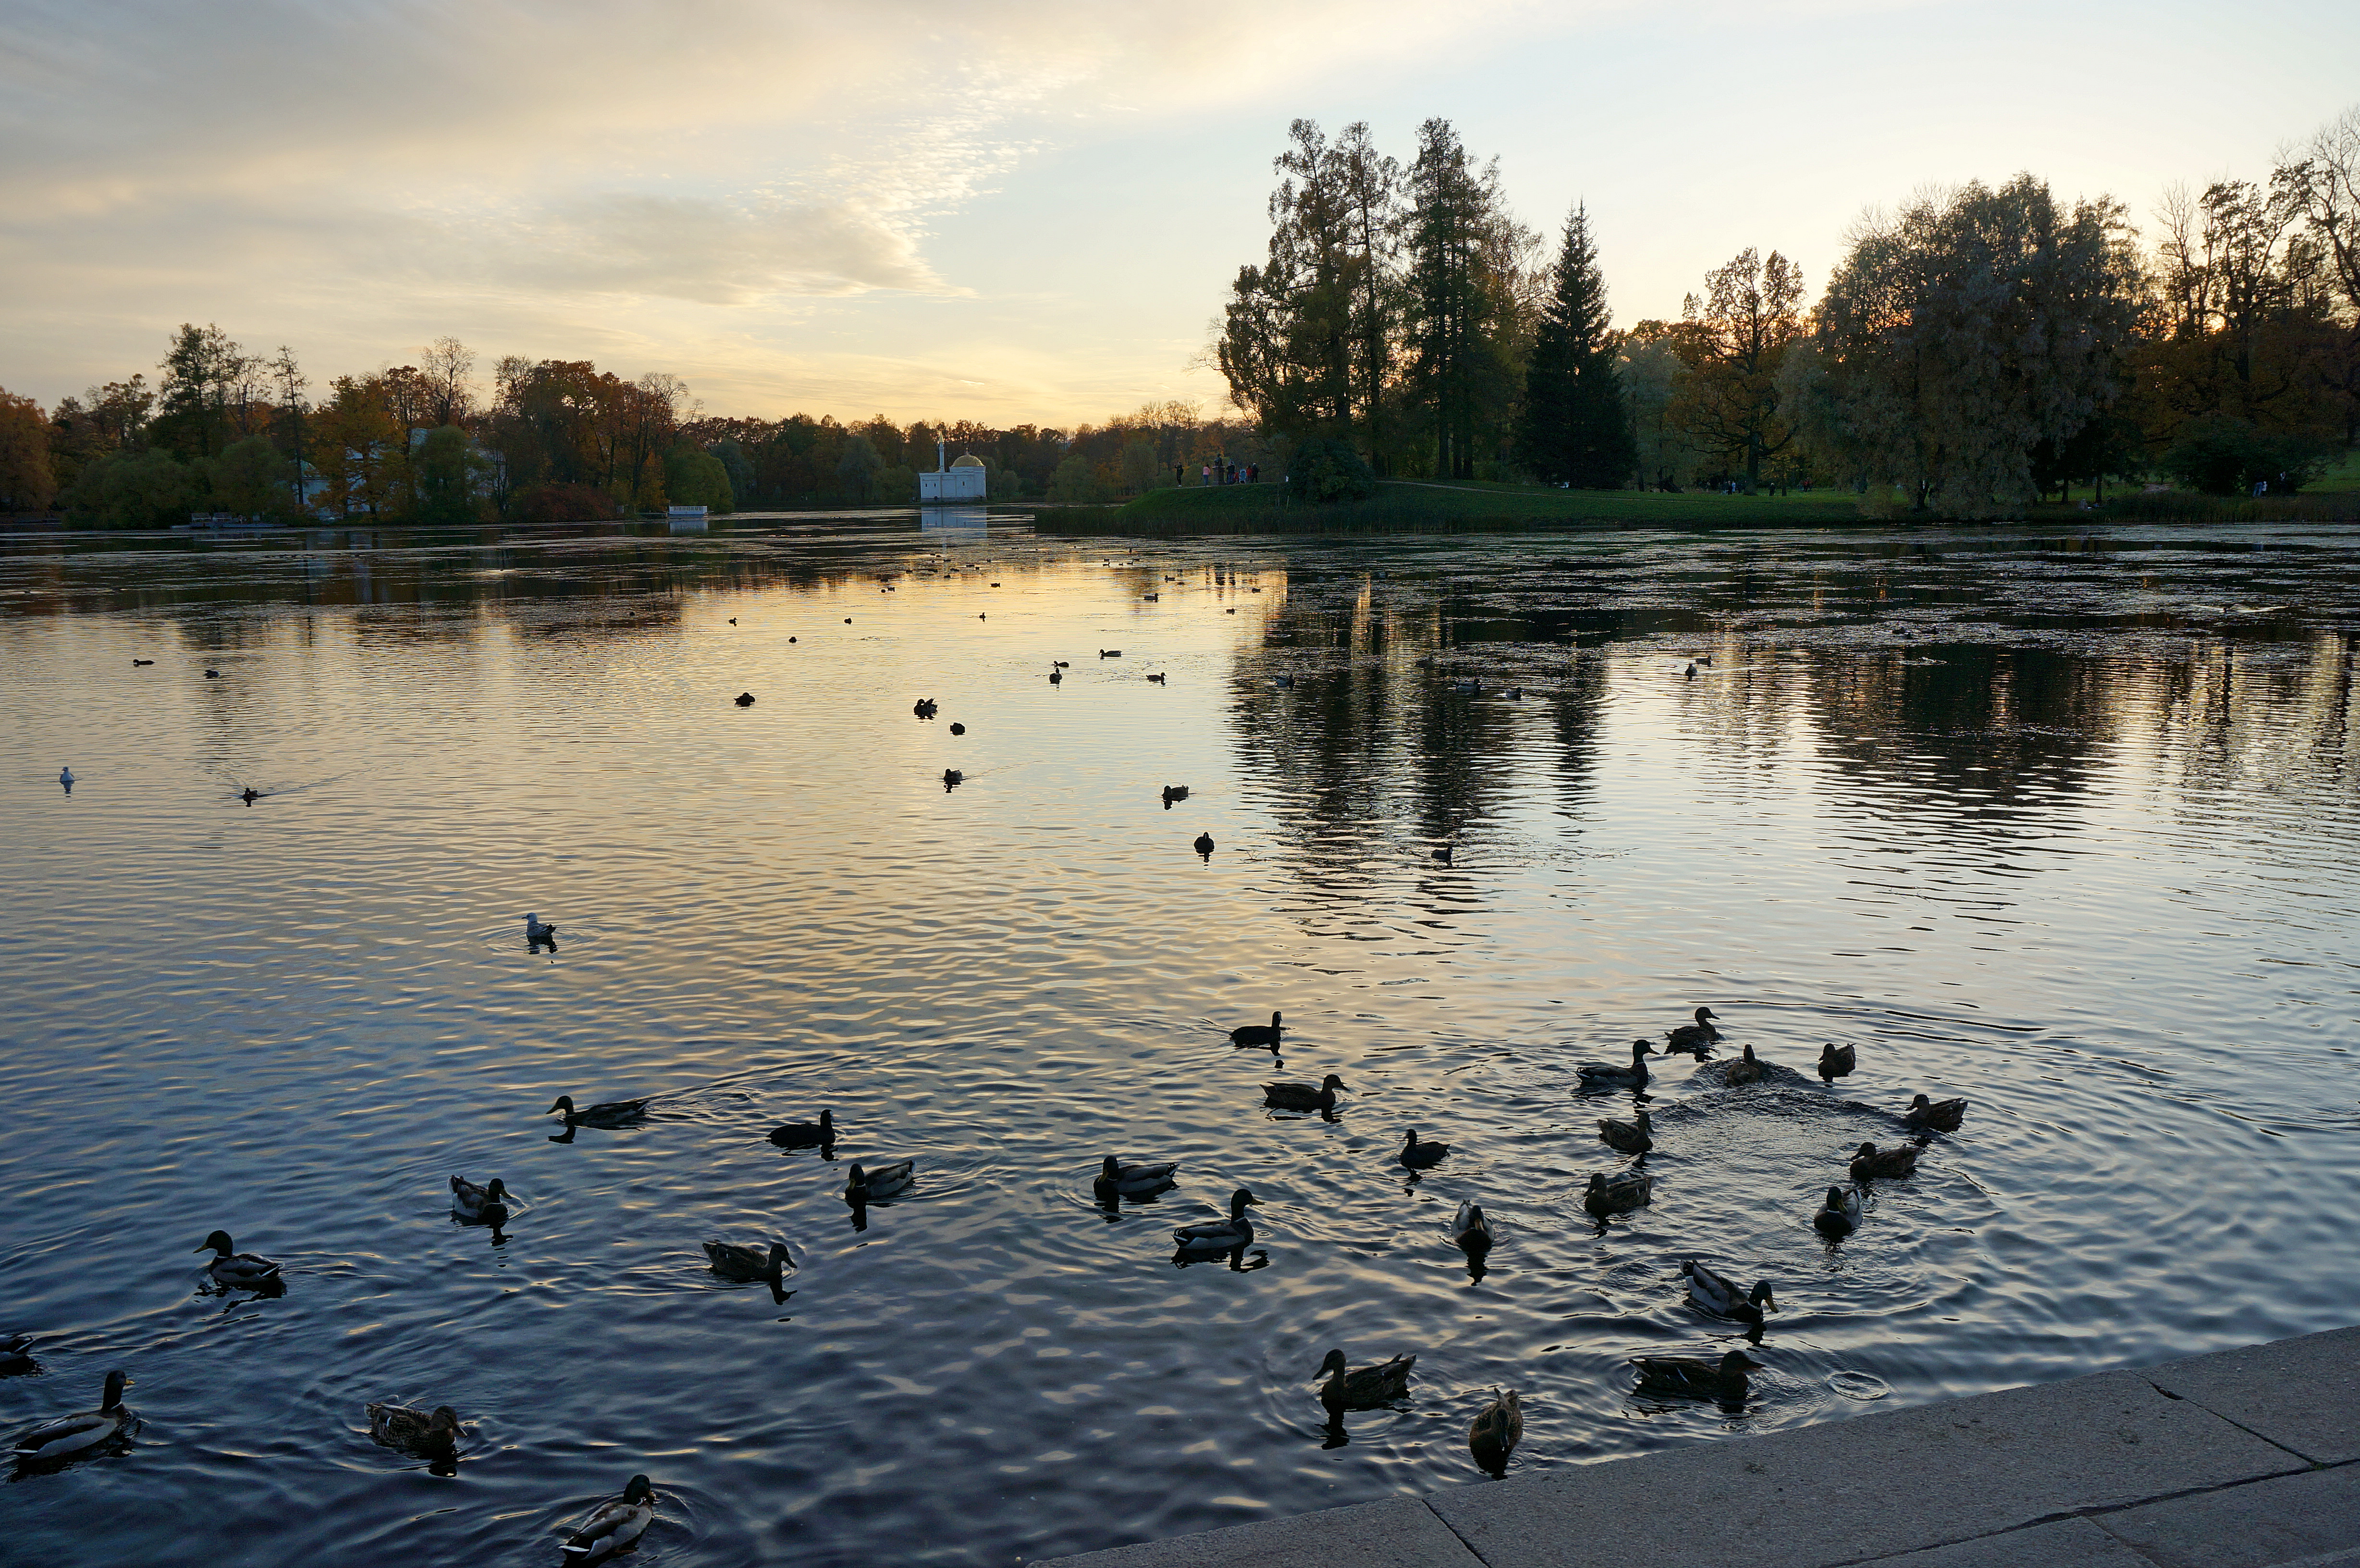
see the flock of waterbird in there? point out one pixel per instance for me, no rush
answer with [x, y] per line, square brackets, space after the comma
[1498, 1426]
[615, 1525]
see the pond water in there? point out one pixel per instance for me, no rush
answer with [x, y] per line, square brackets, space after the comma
[2065, 825]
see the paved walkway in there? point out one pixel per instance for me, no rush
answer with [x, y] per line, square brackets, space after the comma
[2247, 1459]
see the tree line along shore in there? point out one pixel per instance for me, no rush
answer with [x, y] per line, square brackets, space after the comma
[1404, 344]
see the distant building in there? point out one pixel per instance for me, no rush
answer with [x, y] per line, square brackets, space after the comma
[962, 482]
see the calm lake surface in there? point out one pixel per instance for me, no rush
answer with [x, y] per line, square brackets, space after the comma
[2066, 825]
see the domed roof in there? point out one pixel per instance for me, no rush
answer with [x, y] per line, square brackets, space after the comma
[968, 461]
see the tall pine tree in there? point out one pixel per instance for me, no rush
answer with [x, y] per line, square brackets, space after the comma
[1576, 426]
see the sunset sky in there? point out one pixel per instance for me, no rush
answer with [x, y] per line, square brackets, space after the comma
[1027, 211]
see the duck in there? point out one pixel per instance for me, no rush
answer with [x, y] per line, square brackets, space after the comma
[78, 1432]
[1056, 676]
[66, 777]
[1360, 1388]
[1632, 1137]
[1691, 671]
[1836, 1061]
[1471, 1229]
[959, 729]
[1284, 682]
[1172, 792]
[1303, 1097]
[1869, 1162]
[1839, 1216]
[1215, 1237]
[1157, 679]
[1747, 1069]
[1694, 1039]
[1615, 1194]
[432, 1434]
[1496, 1429]
[1259, 1034]
[487, 1205]
[735, 1260]
[1515, 693]
[923, 708]
[1694, 1377]
[213, 674]
[1604, 1075]
[1132, 1180]
[1444, 854]
[250, 794]
[534, 931]
[865, 1185]
[1419, 1156]
[952, 779]
[744, 699]
[233, 1268]
[1935, 1116]
[1717, 1293]
[1204, 844]
[16, 1354]
[806, 1135]
[138, 662]
[610, 1114]
[1104, 652]
[616, 1526]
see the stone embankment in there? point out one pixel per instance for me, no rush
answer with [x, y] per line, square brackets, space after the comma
[2246, 1459]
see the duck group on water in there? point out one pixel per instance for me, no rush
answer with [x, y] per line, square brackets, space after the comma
[615, 1526]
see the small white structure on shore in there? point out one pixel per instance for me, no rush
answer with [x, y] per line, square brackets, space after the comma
[956, 484]
[688, 519]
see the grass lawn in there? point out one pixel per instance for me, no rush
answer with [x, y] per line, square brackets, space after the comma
[1415, 507]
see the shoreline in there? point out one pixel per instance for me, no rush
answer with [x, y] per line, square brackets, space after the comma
[2245, 1458]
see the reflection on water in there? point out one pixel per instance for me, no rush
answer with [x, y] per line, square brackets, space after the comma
[2062, 826]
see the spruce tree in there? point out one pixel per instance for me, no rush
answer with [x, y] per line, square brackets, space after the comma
[1576, 426]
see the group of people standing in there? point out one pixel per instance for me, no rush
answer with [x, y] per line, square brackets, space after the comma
[1220, 471]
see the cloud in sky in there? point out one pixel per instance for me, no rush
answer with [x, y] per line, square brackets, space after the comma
[1022, 210]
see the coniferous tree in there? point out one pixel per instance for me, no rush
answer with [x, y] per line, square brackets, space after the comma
[1576, 426]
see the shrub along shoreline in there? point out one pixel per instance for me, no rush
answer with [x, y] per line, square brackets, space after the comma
[1412, 507]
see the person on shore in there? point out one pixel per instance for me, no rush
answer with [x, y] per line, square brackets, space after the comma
[1204, 474]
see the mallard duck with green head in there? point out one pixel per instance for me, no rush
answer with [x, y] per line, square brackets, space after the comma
[1214, 1237]
[1839, 1214]
[234, 1270]
[1718, 1294]
[476, 1205]
[1868, 1162]
[1692, 1378]
[1363, 1388]
[1935, 1116]
[1605, 1075]
[1496, 1429]
[77, 1433]
[1471, 1229]
[616, 1526]
[1635, 1137]
[430, 1435]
